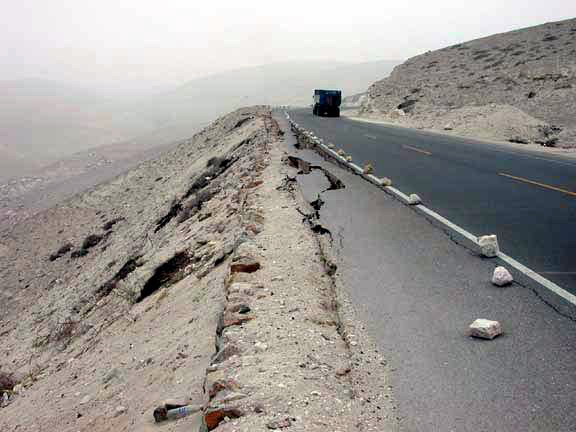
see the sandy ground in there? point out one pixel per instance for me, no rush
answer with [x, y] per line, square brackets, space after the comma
[194, 276]
[26, 195]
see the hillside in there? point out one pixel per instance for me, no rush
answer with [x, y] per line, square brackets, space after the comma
[191, 279]
[518, 86]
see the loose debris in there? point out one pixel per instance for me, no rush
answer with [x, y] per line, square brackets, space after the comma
[489, 246]
[502, 277]
[485, 329]
[414, 199]
[385, 181]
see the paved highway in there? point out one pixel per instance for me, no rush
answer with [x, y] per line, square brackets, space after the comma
[416, 292]
[527, 198]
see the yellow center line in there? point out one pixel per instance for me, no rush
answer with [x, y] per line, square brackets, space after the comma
[567, 192]
[418, 150]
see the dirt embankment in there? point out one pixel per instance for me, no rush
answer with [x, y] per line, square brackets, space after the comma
[194, 276]
[518, 86]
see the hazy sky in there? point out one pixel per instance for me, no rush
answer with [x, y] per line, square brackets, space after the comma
[139, 43]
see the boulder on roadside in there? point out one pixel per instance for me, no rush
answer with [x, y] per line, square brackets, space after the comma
[385, 181]
[489, 245]
[485, 329]
[502, 277]
[414, 199]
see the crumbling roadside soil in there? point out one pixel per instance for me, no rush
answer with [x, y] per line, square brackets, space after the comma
[196, 276]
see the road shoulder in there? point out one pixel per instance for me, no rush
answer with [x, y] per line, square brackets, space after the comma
[417, 291]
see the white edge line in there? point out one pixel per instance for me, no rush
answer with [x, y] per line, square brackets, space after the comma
[374, 179]
[333, 153]
[355, 167]
[449, 224]
[538, 278]
[399, 194]
[461, 231]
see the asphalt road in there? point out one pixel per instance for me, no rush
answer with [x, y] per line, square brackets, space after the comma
[416, 292]
[527, 198]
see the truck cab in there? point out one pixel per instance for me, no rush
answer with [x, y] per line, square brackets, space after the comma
[327, 103]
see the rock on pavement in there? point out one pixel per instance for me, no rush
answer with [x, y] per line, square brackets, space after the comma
[501, 277]
[485, 329]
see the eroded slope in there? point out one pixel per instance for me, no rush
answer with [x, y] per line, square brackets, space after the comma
[110, 302]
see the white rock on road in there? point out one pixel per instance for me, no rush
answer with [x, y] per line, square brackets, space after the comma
[501, 277]
[485, 329]
[489, 245]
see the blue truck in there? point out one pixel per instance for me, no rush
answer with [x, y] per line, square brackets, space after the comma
[327, 103]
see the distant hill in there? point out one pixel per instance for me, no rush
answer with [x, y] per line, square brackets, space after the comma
[518, 86]
[283, 83]
[44, 121]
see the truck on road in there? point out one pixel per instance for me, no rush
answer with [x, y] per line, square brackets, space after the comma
[327, 103]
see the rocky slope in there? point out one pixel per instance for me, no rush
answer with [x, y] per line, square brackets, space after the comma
[193, 277]
[518, 86]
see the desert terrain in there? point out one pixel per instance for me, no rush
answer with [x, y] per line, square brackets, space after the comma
[194, 277]
[518, 87]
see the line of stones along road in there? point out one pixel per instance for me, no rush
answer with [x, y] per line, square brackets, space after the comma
[487, 245]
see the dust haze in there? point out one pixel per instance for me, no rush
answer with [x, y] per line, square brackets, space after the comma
[79, 75]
